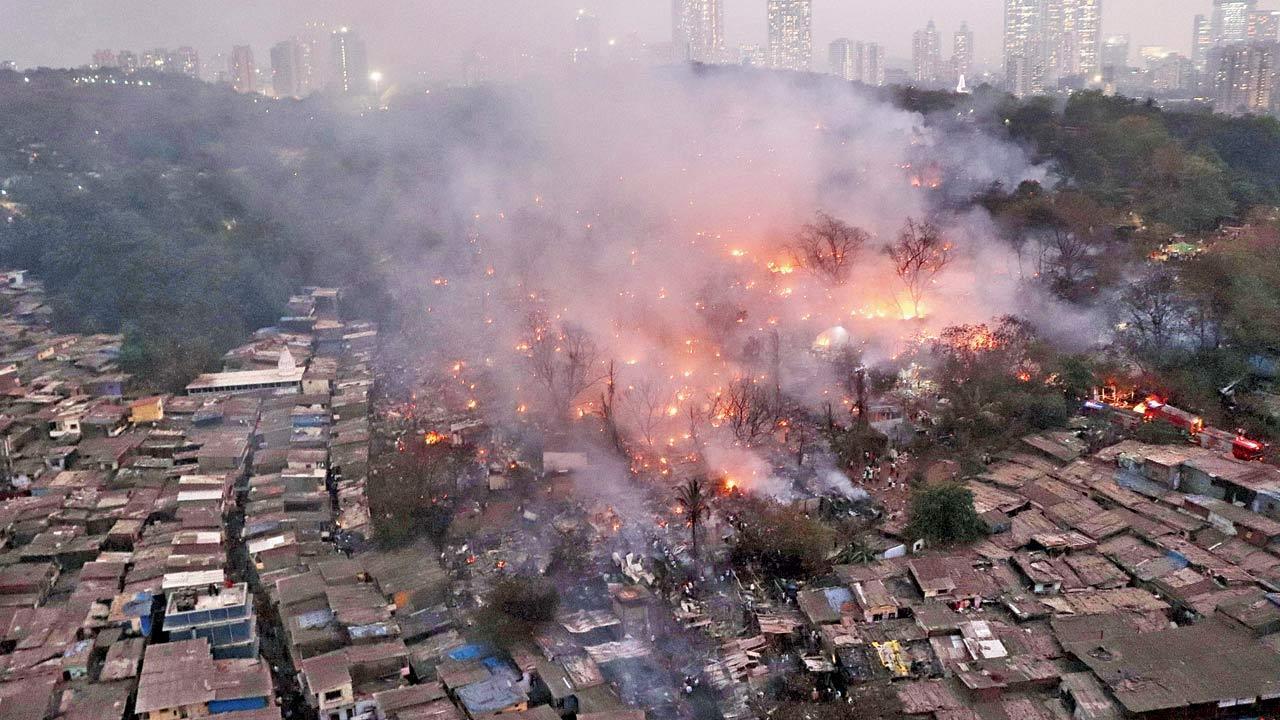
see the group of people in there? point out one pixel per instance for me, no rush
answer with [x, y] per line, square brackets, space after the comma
[874, 467]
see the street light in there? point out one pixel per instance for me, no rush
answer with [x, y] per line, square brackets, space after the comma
[375, 77]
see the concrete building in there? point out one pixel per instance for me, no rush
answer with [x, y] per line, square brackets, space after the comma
[697, 30]
[790, 34]
[349, 63]
[222, 615]
[241, 69]
[286, 376]
[926, 55]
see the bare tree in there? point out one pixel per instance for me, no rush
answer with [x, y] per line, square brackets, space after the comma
[564, 360]
[828, 246]
[645, 404]
[1154, 314]
[693, 497]
[609, 407]
[919, 254]
[748, 408]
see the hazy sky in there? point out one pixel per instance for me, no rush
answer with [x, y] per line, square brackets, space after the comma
[431, 35]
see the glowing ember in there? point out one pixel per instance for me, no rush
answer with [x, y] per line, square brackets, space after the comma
[434, 438]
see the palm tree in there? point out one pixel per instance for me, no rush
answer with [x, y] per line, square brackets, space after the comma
[859, 551]
[692, 496]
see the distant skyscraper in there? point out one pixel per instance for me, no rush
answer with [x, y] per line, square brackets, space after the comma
[1201, 41]
[752, 56]
[127, 61]
[183, 61]
[926, 55]
[1231, 21]
[791, 34]
[1046, 40]
[1024, 46]
[1264, 26]
[350, 65]
[962, 52]
[586, 38]
[241, 70]
[873, 64]
[154, 59]
[286, 75]
[1086, 58]
[841, 59]
[697, 30]
[1115, 52]
[1243, 77]
[104, 59]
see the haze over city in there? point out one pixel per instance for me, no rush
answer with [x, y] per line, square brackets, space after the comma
[640, 360]
[431, 36]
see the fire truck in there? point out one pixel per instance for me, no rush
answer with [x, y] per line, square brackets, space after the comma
[1154, 409]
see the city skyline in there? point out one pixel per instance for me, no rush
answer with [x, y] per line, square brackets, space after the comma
[388, 27]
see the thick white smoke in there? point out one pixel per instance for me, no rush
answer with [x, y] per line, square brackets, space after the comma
[655, 211]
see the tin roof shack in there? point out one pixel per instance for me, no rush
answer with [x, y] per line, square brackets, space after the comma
[1257, 612]
[26, 584]
[221, 614]
[416, 702]
[632, 604]
[824, 606]
[223, 452]
[951, 579]
[182, 680]
[1249, 526]
[410, 578]
[345, 681]
[31, 698]
[874, 602]
[1205, 670]
[95, 701]
[495, 695]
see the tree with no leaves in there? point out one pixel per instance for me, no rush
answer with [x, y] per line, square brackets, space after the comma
[693, 497]
[564, 359]
[919, 254]
[828, 246]
[750, 409]
[1155, 315]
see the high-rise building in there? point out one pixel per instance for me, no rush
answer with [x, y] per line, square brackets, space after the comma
[1264, 26]
[1047, 40]
[127, 61]
[842, 59]
[752, 56]
[1201, 41]
[241, 69]
[873, 64]
[183, 61]
[791, 34]
[926, 55]
[103, 59]
[350, 65]
[962, 52]
[1115, 52]
[1168, 72]
[154, 59]
[286, 69]
[697, 30]
[1243, 77]
[1086, 56]
[1231, 21]
[586, 39]
[1024, 46]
